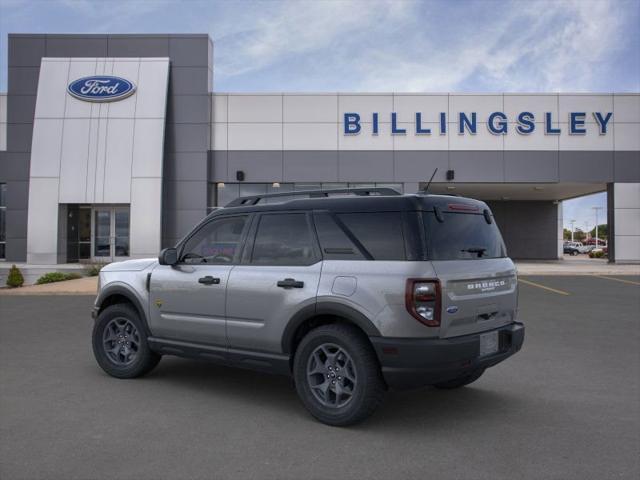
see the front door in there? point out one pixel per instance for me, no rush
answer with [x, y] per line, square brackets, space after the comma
[110, 234]
[187, 301]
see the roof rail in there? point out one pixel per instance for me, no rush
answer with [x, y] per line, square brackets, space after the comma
[362, 192]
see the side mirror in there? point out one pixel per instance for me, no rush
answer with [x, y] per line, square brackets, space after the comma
[168, 256]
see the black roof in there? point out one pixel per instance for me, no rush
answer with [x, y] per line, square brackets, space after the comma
[373, 203]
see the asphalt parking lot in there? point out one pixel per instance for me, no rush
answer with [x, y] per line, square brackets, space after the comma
[566, 407]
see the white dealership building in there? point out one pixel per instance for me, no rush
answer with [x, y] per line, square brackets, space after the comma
[113, 146]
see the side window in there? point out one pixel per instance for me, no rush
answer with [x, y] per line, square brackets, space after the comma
[283, 239]
[379, 233]
[218, 242]
[334, 242]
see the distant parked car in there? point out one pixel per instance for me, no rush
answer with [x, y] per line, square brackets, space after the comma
[571, 249]
[592, 241]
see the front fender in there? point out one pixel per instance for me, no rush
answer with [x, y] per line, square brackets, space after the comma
[127, 291]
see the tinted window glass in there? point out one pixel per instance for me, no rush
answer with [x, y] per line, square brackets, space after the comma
[379, 233]
[334, 243]
[218, 242]
[462, 236]
[283, 239]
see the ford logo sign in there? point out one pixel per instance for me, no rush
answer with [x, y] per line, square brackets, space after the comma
[101, 88]
[452, 309]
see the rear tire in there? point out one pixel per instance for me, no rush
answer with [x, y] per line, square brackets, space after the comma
[460, 381]
[120, 343]
[337, 375]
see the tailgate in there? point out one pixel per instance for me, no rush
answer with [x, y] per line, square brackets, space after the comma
[477, 295]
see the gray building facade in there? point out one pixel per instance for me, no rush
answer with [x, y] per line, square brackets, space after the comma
[88, 181]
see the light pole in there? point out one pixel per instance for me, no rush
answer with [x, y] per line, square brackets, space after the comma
[596, 210]
[586, 231]
[572, 222]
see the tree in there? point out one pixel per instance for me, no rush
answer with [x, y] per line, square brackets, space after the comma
[578, 235]
[603, 231]
[566, 234]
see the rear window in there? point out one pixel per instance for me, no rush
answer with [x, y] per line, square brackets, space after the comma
[462, 236]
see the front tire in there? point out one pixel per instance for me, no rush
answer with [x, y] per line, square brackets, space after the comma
[120, 343]
[337, 375]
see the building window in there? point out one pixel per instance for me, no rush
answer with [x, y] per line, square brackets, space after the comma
[3, 216]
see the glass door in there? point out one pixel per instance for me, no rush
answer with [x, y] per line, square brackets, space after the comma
[120, 229]
[102, 234]
[110, 234]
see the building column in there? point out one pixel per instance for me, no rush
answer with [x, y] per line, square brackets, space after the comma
[560, 236]
[623, 208]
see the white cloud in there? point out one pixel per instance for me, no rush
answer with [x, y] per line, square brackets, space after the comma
[376, 45]
[296, 29]
[533, 46]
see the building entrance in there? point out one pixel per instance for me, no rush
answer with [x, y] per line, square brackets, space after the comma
[97, 233]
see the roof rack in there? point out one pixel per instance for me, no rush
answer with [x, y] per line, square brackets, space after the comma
[362, 192]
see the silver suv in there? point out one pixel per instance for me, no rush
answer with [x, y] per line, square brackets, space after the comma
[350, 292]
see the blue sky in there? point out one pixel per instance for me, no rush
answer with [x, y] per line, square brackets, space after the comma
[369, 45]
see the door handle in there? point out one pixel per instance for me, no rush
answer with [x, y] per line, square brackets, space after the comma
[209, 280]
[290, 283]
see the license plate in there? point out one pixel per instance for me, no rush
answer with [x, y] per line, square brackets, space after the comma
[488, 343]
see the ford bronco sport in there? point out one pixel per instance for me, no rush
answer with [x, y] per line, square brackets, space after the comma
[350, 292]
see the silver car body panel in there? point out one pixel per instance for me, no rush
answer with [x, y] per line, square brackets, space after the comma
[258, 311]
[136, 265]
[483, 292]
[379, 294]
[181, 308]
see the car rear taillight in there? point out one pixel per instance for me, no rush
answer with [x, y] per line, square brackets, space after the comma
[422, 298]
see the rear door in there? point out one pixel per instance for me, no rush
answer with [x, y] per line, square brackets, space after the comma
[279, 276]
[478, 281]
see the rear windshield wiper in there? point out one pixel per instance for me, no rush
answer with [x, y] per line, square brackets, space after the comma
[480, 251]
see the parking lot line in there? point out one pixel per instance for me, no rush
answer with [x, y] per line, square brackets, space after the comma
[631, 282]
[534, 284]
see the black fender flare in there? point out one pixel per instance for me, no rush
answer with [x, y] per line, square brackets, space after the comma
[326, 308]
[122, 290]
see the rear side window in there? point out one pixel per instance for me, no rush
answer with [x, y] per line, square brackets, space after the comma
[334, 241]
[462, 236]
[380, 233]
[284, 239]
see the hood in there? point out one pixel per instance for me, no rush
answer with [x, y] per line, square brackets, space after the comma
[130, 265]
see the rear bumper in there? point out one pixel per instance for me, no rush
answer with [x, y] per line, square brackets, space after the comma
[411, 363]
